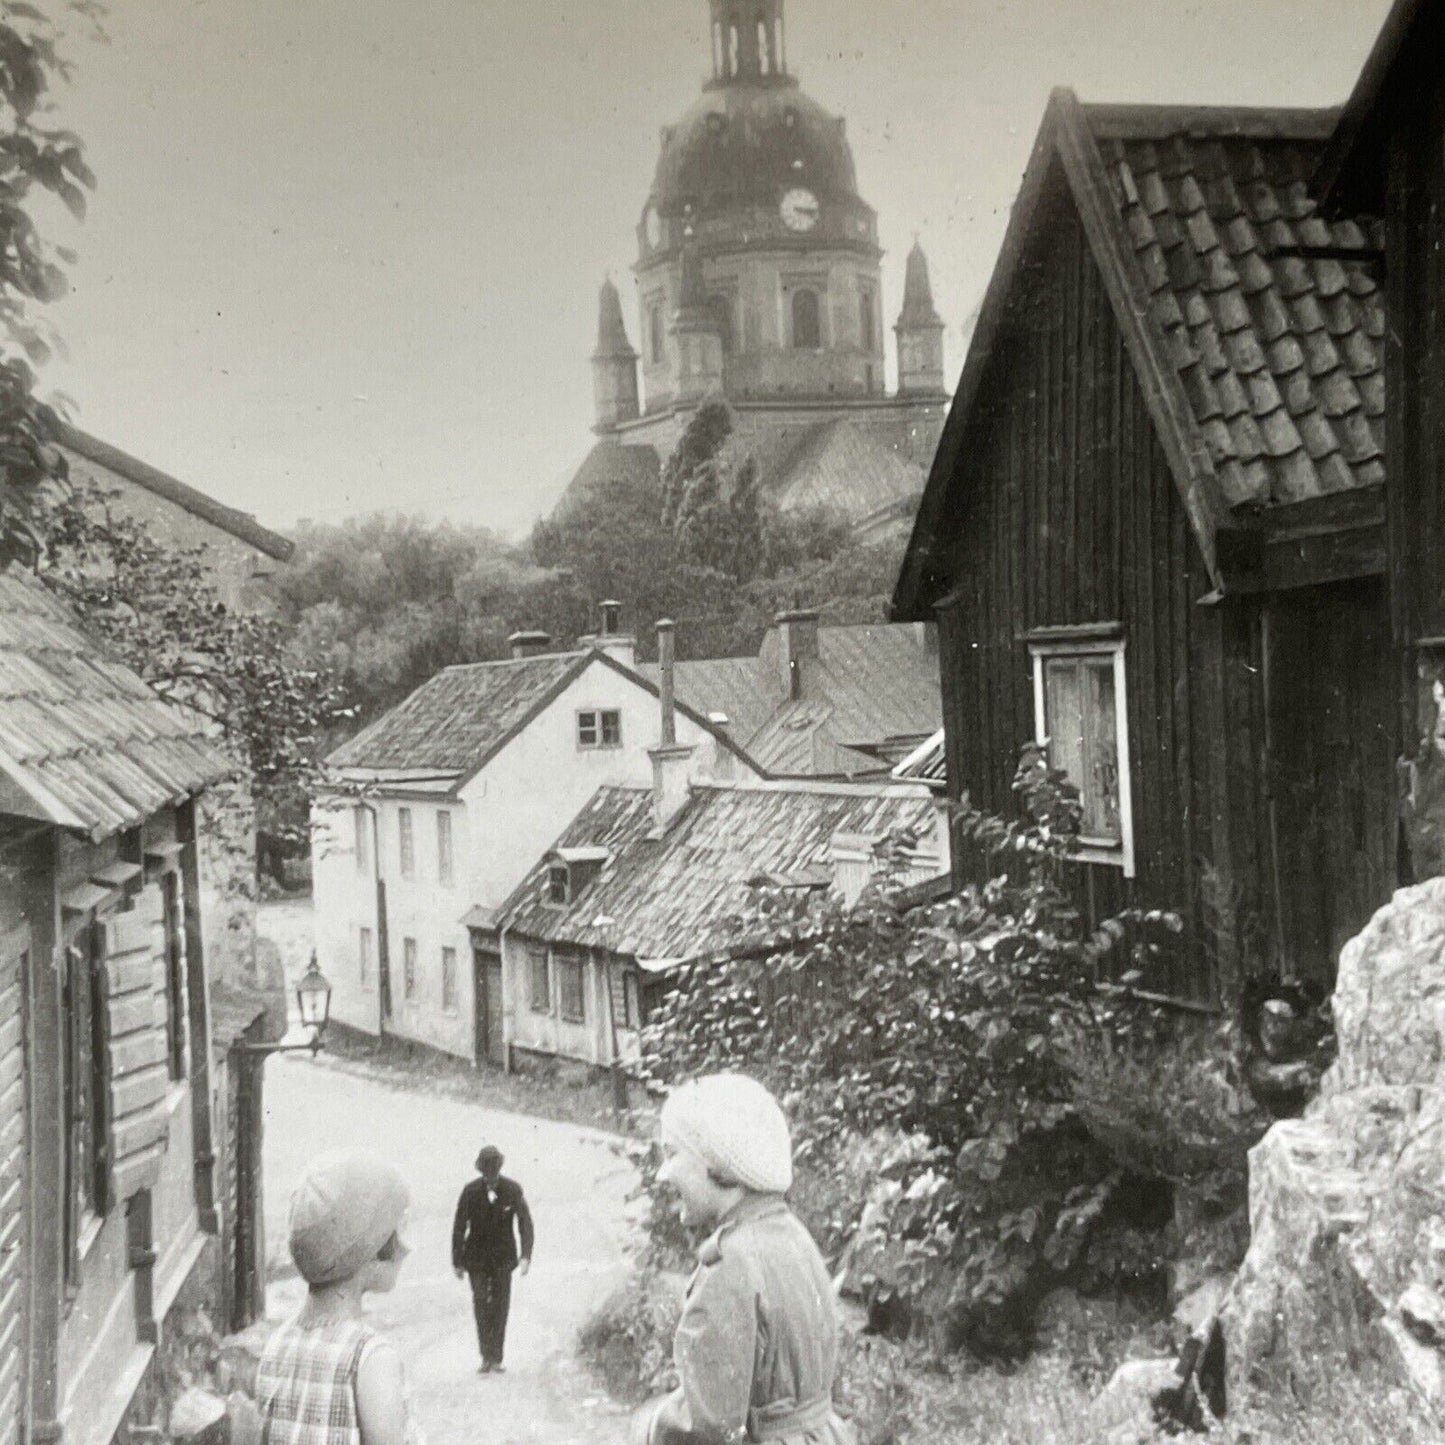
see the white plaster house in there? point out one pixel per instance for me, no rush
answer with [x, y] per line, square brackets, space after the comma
[440, 809]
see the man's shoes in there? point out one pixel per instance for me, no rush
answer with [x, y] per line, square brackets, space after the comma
[499, 1368]
[485, 1368]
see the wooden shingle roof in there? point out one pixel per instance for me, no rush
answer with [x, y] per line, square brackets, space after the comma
[676, 897]
[84, 743]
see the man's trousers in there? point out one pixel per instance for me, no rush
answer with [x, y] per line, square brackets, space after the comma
[491, 1301]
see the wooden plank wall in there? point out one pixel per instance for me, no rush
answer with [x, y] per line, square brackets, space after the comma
[1072, 517]
[14, 1176]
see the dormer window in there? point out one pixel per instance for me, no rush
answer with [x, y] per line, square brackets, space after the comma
[599, 728]
[559, 884]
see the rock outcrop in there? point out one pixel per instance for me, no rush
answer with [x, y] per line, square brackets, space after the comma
[1347, 1204]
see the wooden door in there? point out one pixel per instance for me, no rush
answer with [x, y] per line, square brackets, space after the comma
[14, 1241]
[491, 1047]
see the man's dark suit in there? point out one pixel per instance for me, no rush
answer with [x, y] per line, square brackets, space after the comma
[484, 1244]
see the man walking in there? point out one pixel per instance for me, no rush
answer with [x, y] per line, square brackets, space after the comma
[491, 1216]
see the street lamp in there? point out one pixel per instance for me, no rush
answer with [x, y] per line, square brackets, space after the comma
[313, 1001]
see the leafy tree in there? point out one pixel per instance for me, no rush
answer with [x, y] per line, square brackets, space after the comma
[158, 609]
[36, 159]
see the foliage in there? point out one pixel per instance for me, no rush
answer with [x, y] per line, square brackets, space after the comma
[37, 160]
[156, 606]
[627, 1340]
[943, 1020]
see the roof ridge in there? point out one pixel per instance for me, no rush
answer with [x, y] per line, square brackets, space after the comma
[1128, 120]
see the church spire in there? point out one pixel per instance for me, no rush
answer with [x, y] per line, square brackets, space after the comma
[919, 331]
[748, 42]
[614, 364]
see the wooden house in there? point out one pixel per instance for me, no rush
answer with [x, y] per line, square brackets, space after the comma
[1384, 159]
[108, 1209]
[1153, 533]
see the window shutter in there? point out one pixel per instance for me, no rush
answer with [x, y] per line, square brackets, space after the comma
[134, 1022]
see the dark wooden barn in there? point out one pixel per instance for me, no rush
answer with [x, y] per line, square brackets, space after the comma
[1154, 530]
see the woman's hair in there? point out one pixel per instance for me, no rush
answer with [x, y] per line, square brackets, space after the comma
[389, 1250]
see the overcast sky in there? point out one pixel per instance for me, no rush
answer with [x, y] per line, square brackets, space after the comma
[345, 253]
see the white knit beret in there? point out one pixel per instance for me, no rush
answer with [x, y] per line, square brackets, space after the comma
[736, 1126]
[346, 1205]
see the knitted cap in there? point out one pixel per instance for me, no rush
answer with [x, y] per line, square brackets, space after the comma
[735, 1124]
[346, 1205]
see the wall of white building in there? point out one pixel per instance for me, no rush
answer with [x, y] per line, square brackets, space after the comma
[503, 820]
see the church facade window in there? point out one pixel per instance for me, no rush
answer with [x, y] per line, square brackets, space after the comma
[722, 309]
[654, 332]
[867, 333]
[807, 320]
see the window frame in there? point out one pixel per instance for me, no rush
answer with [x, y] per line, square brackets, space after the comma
[446, 855]
[408, 970]
[173, 917]
[816, 295]
[627, 1000]
[405, 843]
[554, 872]
[567, 963]
[1098, 642]
[539, 969]
[450, 995]
[85, 1085]
[594, 720]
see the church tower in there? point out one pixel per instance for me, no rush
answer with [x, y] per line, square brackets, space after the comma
[614, 365]
[920, 332]
[747, 41]
[697, 342]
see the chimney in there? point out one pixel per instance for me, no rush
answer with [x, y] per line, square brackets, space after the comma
[529, 644]
[620, 646]
[723, 759]
[670, 762]
[798, 634]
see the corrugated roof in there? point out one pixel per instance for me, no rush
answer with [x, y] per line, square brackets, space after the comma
[240, 525]
[676, 897]
[84, 743]
[1273, 318]
[458, 719]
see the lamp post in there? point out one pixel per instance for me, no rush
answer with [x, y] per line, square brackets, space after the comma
[313, 1000]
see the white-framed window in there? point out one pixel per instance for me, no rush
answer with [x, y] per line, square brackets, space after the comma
[571, 989]
[449, 980]
[1081, 716]
[366, 957]
[626, 1000]
[408, 968]
[406, 842]
[539, 981]
[599, 728]
[444, 848]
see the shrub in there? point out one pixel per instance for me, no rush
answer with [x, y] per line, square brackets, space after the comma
[627, 1340]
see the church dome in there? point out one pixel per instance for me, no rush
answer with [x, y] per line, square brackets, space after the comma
[741, 146]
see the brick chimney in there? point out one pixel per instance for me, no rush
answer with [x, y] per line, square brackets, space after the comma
[670, 760]
[619, 645]
[798, 639]
[529, 644]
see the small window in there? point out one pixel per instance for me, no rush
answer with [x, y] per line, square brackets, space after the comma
[654, 332]
[361, 821]
[572, 990]
[87, 1174]
[627, 1001]
[406, 842]
[866, 334]
[408, 969]
[449, 980]
[366, 958]
[807, 320]
[599, 729]
[444, 848]
[539, 981]
[1080, 715]
[557, 884]
[722, 310]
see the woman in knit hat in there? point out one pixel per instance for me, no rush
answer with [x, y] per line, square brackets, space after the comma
[327, 1377]
[756, 1348]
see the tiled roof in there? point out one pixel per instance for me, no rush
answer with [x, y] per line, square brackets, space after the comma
[675, 897]
[1272, 317]
[837, 464]
[240, 525]
[84, 743]
[458, 719]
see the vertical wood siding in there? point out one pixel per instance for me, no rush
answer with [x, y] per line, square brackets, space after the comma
[1070, 515]
[14, 1243]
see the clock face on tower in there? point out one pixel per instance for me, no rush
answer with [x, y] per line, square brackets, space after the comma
[799, 209]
